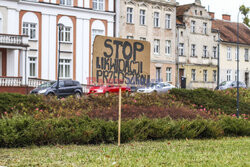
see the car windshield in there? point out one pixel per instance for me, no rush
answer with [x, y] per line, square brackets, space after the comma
[223, 83]
[46, 84]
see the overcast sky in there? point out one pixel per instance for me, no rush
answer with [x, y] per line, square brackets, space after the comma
[220, 7]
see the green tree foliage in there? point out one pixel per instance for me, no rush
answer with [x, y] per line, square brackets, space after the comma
[245, 10]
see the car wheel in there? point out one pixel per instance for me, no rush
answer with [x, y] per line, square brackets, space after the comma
[50, 95]
[78, 95]
[106, 94]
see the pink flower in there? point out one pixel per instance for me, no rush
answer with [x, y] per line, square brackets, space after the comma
[233, 115]
[41, 110]
[204, 109]
[135, 101]
[37, 109]
[201, 106]
[246, 118]
[201, 110]
[5, 113]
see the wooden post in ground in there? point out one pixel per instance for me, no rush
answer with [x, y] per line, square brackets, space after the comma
[119, 117]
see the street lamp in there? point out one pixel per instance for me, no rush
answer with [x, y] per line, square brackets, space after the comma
[238, 112]
[60, 27]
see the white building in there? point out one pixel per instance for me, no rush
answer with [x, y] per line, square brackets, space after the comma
[35, 23]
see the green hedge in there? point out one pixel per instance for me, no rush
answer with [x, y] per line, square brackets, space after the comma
[213, 100]
[25, 130]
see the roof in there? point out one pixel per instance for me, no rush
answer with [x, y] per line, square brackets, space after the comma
[180, 10]
[228, 31]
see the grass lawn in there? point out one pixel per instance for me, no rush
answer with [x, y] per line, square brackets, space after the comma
[220, 152]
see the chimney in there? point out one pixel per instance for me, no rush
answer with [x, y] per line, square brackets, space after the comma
[197, 2]
[226, 17]
[211, 14]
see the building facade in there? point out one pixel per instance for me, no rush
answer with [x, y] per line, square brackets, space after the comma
[33, 25]
[153, 21]
[228, 50]
[197, 50]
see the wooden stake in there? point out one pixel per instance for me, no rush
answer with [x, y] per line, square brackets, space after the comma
[119, 118]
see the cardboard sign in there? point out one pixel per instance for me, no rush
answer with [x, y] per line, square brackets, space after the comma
[121, 61]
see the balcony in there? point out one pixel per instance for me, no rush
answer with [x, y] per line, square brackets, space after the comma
[14, 41]
[17, 81]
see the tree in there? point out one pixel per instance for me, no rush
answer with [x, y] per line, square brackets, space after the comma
[245, 10]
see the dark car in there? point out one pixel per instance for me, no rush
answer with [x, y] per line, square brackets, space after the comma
[66, 88]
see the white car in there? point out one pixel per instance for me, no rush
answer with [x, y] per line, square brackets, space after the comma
[230, 84]
[161, 87]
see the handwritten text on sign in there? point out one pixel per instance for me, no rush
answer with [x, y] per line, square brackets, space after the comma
[121, 60]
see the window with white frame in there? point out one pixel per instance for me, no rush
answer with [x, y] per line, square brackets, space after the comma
[181, 49]
[214, 75]
[205, 51]
[66, 2]
[169, 74]
[98, 4]
[204, 28]
[65, 34]
[236, 74]
[156, 46]
[193, 26]
[156, 19]
[30, 30]
[158, 74]
[65, 68]
[168, 21]
[229, 75]
[205, 75]
[229, 57]
[236, 55]
[94, 33]
[167, 47]
[129, 15]
[246, 55]
[193, 50]
[32, 66]
[142, 17]
[214, 52]
[193, 74]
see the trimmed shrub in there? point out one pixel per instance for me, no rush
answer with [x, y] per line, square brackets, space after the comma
[25, 130]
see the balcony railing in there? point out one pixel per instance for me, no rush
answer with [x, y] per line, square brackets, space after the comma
[14, 40]
[10, 81]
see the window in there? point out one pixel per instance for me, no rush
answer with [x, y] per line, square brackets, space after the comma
[195, 12]
[142, 38]
[229, 75]
[66, 2]
[235, 75]
[246, 55]
[205, 75]
[158, 74]
[236, 51]
[156, 19]
[156, 46]
[214, 75]
[65, 34]
[201, 13]
[169, 72]
[32, 66]
[129, 15]
[193, 26]
[30, 30]
[204, 28]
[130, 37]
[193, 50]
[96, 32]
[98, 4]
[65, 68]
[181, 49]
[193, 74]
[205, 51]
[214, 52]
[142, 17]
[167, 47]
[1, 25]
[168, 21]
[229, 53]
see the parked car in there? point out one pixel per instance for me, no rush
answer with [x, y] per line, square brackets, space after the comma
[230, 84]
[107, 89]
[66, 88]
[161, 87]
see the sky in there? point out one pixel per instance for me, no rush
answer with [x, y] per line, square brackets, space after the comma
[220, 7]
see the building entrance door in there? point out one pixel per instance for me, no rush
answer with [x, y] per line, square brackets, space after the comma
[3, 61]
[247, 79]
